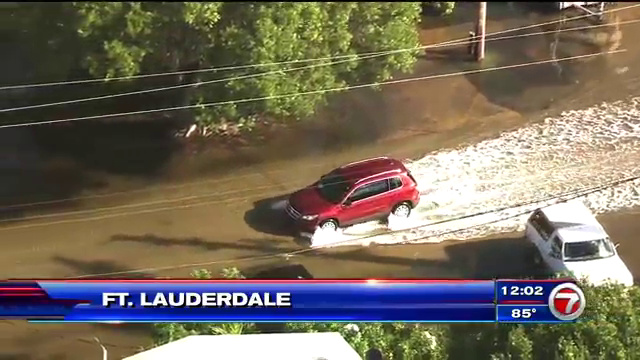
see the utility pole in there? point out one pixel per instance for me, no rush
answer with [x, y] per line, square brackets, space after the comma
[480, 30]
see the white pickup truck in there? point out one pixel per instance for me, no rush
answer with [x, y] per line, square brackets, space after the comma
[569, 240]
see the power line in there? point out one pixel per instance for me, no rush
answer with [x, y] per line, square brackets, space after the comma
[149, 203]
[388, 82]
[174, 87]
[215, 181]
[571, 194]
[283, 71]
[127, 192]
[155, 202]
[568, 196]
[288, 62]
[313, 92]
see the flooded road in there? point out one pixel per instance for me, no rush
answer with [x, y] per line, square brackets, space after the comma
[475, 141]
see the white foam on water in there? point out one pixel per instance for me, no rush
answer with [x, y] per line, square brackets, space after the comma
[577, 150]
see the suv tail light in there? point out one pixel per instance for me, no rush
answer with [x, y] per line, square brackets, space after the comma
[412, 178]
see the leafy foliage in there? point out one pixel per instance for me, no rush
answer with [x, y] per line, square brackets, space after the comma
[611, 330]
[167, 332]
[394, 341]
[131, 38]
[440, 7]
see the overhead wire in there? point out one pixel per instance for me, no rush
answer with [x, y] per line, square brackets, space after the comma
[181, 86]
[191, 197]
[312, 92]
[208, 181]
[283, 71]
[159, 202]
[561, 198]
[287, 62]
[134, 191]
[450, 220]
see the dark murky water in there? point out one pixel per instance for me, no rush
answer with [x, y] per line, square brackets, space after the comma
[45, 163]
[49, 162]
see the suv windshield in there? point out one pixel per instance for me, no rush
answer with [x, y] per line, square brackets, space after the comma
[333, 188]
[588, 250]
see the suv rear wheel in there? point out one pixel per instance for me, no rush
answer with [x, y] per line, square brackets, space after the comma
[329, 225]
[402, 210]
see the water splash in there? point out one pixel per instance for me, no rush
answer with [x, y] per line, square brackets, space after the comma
[576, 150]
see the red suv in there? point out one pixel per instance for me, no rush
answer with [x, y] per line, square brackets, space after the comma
[358, 192]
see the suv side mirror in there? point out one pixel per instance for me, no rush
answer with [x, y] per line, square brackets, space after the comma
[347, 202]
[616, 245]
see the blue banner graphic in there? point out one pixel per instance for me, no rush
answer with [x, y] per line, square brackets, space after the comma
[525, 291]
[277, 300]
[525, 314]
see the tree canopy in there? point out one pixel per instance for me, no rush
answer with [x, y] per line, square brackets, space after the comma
[132, 38]
[610, 330]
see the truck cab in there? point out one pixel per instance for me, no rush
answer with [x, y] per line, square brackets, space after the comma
[568, 239]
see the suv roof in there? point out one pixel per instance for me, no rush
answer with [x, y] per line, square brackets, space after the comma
[360, 170]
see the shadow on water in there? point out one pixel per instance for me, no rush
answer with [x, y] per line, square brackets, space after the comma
[22, 356]
[268, 216]
[123, 148]
[268, 245]
[49, 172]
[83, 267]
[467, 13]
[493, 258]
[485, 259]
[533, 88]
[350, 118]
[28, 181]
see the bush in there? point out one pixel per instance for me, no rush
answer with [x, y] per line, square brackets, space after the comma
[611, 330]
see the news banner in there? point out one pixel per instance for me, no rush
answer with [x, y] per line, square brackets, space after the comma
[122, 301]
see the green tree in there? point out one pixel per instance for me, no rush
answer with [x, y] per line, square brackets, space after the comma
[395, 341]
[129, 38]
[439, 7]
[167, 332]
[610, 330]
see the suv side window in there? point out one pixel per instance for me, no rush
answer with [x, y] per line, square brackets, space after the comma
[370, 190]
[394, 183]
[540, 223]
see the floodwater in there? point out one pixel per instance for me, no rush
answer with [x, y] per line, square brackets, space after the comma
[120, 203]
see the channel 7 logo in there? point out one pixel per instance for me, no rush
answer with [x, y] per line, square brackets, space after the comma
[567, 302]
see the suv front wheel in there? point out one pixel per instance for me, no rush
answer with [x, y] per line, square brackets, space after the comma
[330, 224]
[402, 210]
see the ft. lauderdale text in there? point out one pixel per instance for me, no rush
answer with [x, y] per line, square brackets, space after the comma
[194, 299]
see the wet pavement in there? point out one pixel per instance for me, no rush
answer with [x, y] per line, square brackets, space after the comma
[173, 211]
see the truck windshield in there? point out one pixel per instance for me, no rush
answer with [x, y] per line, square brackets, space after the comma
[333, 188]
[588, 250]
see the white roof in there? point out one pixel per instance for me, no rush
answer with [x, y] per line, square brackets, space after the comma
[292, 346]
[574, 221]
[581, 233]
[570, 213]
